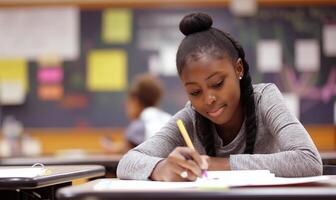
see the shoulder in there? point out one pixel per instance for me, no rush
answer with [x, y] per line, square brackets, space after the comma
[187, 115]
[266, 90]
[263, 88]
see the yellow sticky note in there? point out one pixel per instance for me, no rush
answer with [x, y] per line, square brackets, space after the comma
[14, 70]
[117, 26]
[107, 70]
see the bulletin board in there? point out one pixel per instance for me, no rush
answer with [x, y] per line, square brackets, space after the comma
[148, 42]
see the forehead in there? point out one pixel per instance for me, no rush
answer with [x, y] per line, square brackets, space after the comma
[205, 67]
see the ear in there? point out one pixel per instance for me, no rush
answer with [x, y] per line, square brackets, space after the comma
[239, 68]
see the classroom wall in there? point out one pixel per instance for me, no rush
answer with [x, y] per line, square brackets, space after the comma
[95, 116]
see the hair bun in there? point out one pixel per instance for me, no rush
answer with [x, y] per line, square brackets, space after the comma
[195, 22]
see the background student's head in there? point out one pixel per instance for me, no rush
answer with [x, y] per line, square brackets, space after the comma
[145, 91]
[215, 74]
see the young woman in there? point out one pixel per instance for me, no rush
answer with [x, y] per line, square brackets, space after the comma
[233, 124]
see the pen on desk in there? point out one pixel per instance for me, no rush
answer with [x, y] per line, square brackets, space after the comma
[187, 140]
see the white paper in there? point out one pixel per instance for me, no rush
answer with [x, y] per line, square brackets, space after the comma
[164, 64]
[269, 56]
[215, 179]
[34, 32]
[238, 179]
[293, 103]
[11, 93]
[307, 55]
[329, 40]
[28, 172]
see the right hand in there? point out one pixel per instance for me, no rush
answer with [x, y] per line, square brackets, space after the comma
[179, 160]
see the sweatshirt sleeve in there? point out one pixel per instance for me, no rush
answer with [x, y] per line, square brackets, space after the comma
[138, 163]
[298, 155]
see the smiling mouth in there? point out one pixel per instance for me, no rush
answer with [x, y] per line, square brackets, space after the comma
[216, 112]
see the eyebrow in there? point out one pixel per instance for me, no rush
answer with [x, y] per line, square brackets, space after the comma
[213, 74]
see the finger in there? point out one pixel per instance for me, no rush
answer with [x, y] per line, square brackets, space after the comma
[205, 162]
[191, 166]
[191, 176]
[179, 173]
[194, 155]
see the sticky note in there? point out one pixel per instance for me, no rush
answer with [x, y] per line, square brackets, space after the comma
[12, 92]
[50, 92]
[307, 55]
[269, 56]
[15, 70]
[117, 26]
[50, 75]
[107, 70]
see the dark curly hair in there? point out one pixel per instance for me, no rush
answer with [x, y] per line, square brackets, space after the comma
[201, 38]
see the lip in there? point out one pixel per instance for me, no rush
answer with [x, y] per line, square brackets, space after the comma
[216, 112]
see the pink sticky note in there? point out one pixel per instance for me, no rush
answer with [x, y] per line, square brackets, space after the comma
[50, 75]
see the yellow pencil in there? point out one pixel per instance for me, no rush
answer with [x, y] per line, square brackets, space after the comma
[185, 134]
[187, 139]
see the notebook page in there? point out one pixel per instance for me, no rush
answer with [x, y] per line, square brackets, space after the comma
[242, 178]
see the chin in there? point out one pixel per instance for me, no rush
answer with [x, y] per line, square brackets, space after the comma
[219, 120]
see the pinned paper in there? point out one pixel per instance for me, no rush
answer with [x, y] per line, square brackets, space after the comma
[329, 40]
[164, 63]
[307, 55]
[117, 26]
[50, 92]
[107, 70]
[14, 70]
[12, 93]
[244, 8]
[293, 103]
[32, 32]
[269, 56]
[50, 75]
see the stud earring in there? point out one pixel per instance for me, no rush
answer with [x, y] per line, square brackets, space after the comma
[240, 77]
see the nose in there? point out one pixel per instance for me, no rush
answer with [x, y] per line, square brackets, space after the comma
[210, 99]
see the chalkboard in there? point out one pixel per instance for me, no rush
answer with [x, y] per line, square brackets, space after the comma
[106, 109]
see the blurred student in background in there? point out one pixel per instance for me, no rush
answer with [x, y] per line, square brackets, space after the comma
[142, 110]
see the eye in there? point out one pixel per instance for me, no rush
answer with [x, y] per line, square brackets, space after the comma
[195, 92]
[218, 84]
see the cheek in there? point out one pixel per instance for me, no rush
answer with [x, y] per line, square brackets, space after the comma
[234, 94]
[199, 105]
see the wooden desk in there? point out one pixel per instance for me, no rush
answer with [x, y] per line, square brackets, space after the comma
[328, 158]
[87, 191]
[44, 187]
[110, 162]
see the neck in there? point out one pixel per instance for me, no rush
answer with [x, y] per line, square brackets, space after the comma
[228, 131]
